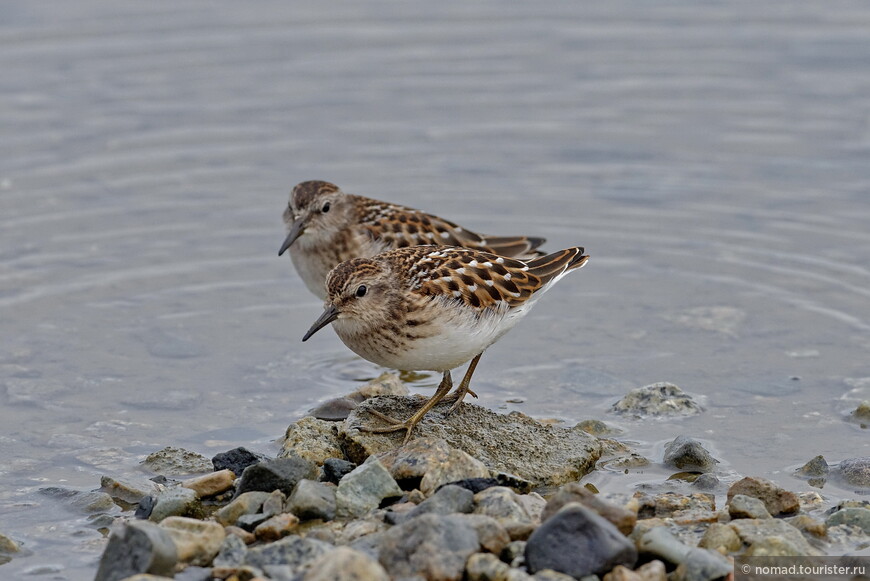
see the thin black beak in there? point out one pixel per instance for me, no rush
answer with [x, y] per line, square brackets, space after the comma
[295, 232]
[330, 314]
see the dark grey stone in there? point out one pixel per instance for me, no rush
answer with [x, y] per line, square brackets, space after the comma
[278, 474]
[578, 542]
[294, 552]
[232, 552]
[475, 485]
[334, 469]
[312, 500]
[236, 460]
[137, 547]
[449, 499]
[686, 453]
[334, 410]
[430, 546]
[250, 521]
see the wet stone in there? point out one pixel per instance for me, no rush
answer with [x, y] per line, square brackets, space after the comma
[172, 461]
[211, 484]
[578, 542]
[294, 552]
[7, 545]
[197, 541]
[346, 564]
[364, 488]
[279, 474]
[176, 501]
[685, 453]
[509, 443]
[657, 400]
[333, 410]
[311, 438]
[334, 469]
[852, 516]
[312, 500]
[861, 414]
[815, 468]
[431, 546]
[130, 491]
[236, 460]
[855, 471]
[137, 547]
[385, 384]
[706, 482]
[623, 519]
[84, 502]
[245, 503]
[742, 506]
[777, 500]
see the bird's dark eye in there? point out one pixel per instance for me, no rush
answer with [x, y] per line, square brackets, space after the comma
[361, 290]
[325, 208]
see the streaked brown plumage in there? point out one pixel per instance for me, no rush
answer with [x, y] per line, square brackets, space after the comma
[326, 227]
[434, 308]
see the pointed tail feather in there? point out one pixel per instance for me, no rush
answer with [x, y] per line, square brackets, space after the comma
[552, 265]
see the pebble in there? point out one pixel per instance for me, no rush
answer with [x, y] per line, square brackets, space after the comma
[275, 503]
[697, 564]
[346, 564]
[294, 552]
[312, 500]
[742, 506]
[672, 504]
[194, 574]
[364, 488]
[578, 542]
[448, 500]
[657, 400]
[332, 410]
[491, 535]
[487, 567]
[176, 501]
[311, 438]
[433, 546]
[232, 552]
[211, 484]
[197, 541]
[861, 414]
[777, 500]
[852, 516]
[856, 471]
[685, 453]
[276, 527]
[771, 537]
[236, 460]
[129, 491]
[504, 505]
[334, 469]
[137, 547]
[623, 519]
[652, 571]
[720, 537]
[278, 474]
[245, 503]
[172, 461]
[458, 465]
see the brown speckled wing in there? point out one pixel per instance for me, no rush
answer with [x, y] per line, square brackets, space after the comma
[401, 227]
[480, 279]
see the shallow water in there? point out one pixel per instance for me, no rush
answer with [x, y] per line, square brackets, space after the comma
[711, 159]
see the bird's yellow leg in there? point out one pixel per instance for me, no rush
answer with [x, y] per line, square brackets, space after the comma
[460, 392]
[443, 389]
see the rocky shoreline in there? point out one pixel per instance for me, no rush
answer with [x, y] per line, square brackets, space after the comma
[473, 495]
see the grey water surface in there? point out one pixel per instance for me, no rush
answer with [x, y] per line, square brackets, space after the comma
[711, 157]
